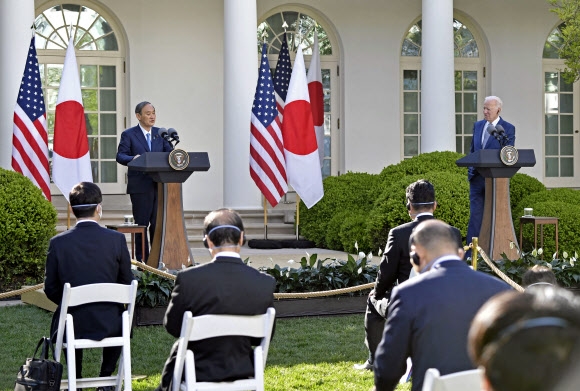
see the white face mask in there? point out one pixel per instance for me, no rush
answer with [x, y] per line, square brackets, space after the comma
[100, 211]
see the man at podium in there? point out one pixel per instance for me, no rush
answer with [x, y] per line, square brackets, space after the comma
[482, 139]
[140, 186]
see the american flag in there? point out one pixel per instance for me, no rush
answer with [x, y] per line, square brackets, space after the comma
[30, 135]
[282, 77]
[267, 165]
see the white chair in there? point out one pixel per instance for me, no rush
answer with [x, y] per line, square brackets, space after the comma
[459, 381]
[210, 326]
[93, 293]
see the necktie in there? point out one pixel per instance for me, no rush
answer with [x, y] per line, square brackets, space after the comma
[485, 136]
[149, 141]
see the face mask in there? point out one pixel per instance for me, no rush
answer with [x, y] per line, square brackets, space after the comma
[100, 211]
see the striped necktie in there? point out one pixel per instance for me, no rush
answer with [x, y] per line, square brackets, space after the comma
[149, 141]
[485, 136]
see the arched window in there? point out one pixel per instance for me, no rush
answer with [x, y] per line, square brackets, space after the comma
[560, 117]
[101, 63]
[301, 29]
[468, 87]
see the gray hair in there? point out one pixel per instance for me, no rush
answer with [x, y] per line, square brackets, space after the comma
[496, 98]
[140, 106]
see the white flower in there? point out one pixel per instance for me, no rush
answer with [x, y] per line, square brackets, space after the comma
[565, 254]
[535, 252]
[540, 251]
[291, 261]
[361, 255]
[549, 265]
[512, 245]
[356, 245]
[572, 261]
[307, 255]
[380, 252]
[554, 255]
[370, 256]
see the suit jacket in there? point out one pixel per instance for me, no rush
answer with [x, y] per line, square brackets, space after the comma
[428, 320]
[224, 286]
[88, 254]
[395, 264]
[481, 126]
[134, 143]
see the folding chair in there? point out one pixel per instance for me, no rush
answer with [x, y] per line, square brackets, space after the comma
[93, 293]
[459, 381]
[210, 326]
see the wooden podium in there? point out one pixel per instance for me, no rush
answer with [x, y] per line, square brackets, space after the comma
[170, 244]
[497, 229]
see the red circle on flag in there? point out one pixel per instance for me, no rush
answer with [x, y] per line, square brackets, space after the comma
[70, 131]
[298, 128]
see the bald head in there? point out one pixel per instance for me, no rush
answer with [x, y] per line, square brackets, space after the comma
[433, 239]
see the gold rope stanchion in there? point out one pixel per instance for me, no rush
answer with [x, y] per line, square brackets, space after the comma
[475, 247]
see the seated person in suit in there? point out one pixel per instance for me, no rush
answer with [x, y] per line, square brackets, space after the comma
[224, 286]
[395, 264]
[89, 254]
[537, 276]
[526, 341]
[141, 188]
[429, 315]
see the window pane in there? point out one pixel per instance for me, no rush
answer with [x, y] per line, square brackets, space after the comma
[410, 80]
[325, 78]
[326, 168]
[107, 76]
[470, 80]
[92, 124]
[327, 145]
[566, 101]
[551, 103]
[458, 106]
[109, 172]
[566, 167]
[551, 166]
[458, 123]
[564, 86]
[108, 100]
[90, 100]
[566, 124]
[470, 102]
[53, 75]
[458, 144]
[411, 146]
[108, 147]
[467, 144]
[458, 82]
[95, 170]
[108, 42]
[51, 96]
[567, 145]
[327, 96]
[94, 148]
[88, 75]
[551, 124]
[410, 49]
[468, 121]
[411, 123]
[551, 82]
[108, 124]
[551, 145]
[410, 101]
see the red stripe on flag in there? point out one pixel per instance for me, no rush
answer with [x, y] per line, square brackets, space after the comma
[316, 102]
[263, 188]
[266, 169]
[38, 150]
[30, 167]
[270, 151]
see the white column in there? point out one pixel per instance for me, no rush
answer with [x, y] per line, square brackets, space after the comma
[16, 17]
[437, 89]
[240, 73]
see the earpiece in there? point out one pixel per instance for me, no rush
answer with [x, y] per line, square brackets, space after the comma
[415, 259]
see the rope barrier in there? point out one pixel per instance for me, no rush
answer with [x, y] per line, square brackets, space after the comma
[499, 272]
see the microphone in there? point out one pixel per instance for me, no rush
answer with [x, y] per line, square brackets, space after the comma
[173, 134]
[492, 130]
[163, 133]
[501, 133]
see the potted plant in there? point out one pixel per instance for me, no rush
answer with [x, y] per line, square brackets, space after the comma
[153, 294]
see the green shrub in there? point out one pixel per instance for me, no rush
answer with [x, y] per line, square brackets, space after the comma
[346, 192]
[333, 241]
[353, 231]
[152, 290]
[451, 192]
[521, 186]
[27, 222]
[433, 161]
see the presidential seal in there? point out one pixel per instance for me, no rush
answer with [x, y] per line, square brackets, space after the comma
[509, 155]
[178, 159]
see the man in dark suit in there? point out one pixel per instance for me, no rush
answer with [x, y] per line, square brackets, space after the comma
[141, 188]
[483, 140]
[429, 315]
[89, 254]
[395, 265]
[224, 286]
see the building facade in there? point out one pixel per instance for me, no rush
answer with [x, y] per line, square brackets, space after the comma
[400, 78]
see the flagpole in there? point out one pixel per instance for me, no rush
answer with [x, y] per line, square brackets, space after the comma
[265, 218]
[297, 215]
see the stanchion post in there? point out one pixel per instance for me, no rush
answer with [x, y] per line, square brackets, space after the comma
[474, 252]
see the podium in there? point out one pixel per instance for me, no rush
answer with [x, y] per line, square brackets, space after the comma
[170, 244]
[497, 229]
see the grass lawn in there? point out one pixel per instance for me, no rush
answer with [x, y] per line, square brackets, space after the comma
[315, 353]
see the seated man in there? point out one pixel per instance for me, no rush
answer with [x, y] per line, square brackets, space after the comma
[395, 265]
[539, 276]
[224, 286]
[89, 254]
[527, 341]
[429, 315]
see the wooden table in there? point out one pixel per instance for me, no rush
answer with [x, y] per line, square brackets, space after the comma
[132, 229]
[541, 221]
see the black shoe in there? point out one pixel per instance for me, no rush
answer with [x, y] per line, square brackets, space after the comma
[106, 388]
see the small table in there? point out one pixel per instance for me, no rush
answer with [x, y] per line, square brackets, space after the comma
[541, 221]
[132, 229]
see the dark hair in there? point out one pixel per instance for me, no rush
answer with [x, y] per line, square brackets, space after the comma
[224, 235]
[140, 106]
[84, 198]
[539, 274]
[421, 195]
[524, 341]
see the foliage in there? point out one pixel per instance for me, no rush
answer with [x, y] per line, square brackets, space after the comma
[433, 161]
[315, 275]
[566, 268]
[27, 222]
[352, 233]
[451, 192]
[152, 290]
[351, 191]
[521, 186]
[567, 11]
